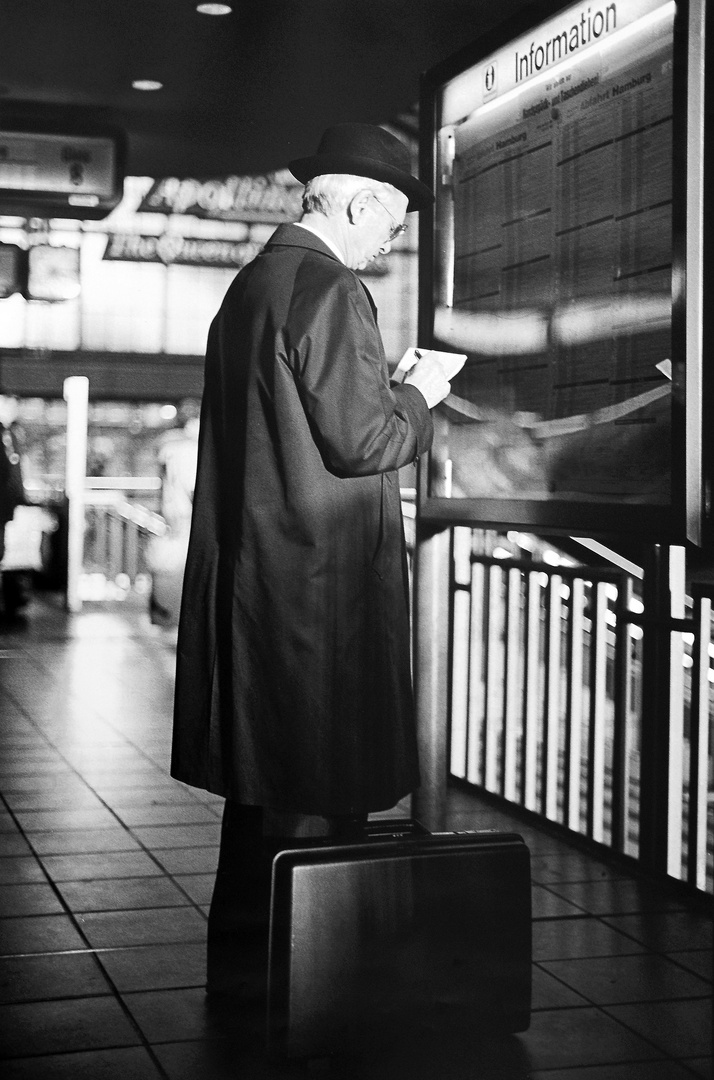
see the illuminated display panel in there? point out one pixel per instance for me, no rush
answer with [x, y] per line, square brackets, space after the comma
[552, 268]
[60, 172]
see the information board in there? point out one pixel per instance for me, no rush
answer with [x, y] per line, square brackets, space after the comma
[554, 171]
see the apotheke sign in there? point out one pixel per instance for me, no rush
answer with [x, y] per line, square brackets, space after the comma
[273, 198]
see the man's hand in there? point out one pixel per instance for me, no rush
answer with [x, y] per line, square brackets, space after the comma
[428, 377]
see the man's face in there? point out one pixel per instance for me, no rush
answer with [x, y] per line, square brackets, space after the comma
[381, 214]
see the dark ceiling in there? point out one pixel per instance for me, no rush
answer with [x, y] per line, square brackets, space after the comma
[242, 93]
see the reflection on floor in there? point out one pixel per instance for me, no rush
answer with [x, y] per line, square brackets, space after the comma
[106, 870]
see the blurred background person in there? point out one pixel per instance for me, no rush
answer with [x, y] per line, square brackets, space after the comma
[12, 495]
[177, 454]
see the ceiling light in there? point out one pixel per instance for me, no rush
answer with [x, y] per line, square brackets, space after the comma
[214, 9]
[147, 84]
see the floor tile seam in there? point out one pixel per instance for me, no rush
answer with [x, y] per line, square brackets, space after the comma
[145, 847]
[552, 887]
[143, 1043]
[114, 993]
[652, 916]
[67, 829]
[613, 956]
[128, 830]
[628, 1027]
[134, 910]
[106, 723]
[615, 874]
[589, 1000]
[584, 911]
[576, 916]
[90, 851]
[60, 754]
[74, 921]
[177, 884]
[199, 907]
[575, 880]
[109, 993]
[127, 877]
[52, 767]
[662, 1057]
[98, 950]
[679, 964]
[709, 979]
[645, 1002]
[663, 1054]
[603, 919]
[45, 1000]
[169, 941]
[585, 914]
[586, 956]
[661, 949]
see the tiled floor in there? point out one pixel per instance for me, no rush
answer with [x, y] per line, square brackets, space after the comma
[106, 872]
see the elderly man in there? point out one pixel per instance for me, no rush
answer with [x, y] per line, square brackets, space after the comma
[293, 690]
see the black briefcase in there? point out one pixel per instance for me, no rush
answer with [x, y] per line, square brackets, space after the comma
[405, 932]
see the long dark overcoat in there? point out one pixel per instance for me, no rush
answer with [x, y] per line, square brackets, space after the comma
[293, 684]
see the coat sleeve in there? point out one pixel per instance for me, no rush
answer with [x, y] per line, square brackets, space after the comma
[361, 425]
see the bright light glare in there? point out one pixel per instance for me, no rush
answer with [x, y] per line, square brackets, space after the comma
[522, 539]
[147, 84]
[214, 9]
[168, 412]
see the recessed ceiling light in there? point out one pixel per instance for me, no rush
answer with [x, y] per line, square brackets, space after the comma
[147, 84]
[214, 9]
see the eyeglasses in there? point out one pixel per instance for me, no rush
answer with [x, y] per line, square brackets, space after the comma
[396, 230]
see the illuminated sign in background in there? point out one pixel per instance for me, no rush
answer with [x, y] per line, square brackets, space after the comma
[276, 197]
[149, 277]
[46, 173]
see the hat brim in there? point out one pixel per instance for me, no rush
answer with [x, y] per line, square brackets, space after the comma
[419, 195]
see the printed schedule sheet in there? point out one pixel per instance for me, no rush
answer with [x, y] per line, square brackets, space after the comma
[562, 222]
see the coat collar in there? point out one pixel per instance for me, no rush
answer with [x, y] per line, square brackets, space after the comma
[294, 236]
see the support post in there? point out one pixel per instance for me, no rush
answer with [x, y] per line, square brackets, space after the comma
[76, 394]
[432, 563]
[662, 693]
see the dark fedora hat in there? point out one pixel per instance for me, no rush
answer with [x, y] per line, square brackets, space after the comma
[365, 150]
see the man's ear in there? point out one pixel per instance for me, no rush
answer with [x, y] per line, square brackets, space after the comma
[357, 206]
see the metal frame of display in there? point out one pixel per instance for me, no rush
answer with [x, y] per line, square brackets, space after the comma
[686, 516]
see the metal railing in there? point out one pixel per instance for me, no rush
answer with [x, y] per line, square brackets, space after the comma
[548, 699]
[118, 532]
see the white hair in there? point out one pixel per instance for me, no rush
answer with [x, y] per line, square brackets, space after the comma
[331, 192]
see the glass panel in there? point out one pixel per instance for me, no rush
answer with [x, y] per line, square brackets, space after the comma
[553, 263]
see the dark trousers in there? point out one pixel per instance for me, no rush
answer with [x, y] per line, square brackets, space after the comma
[251, 837]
